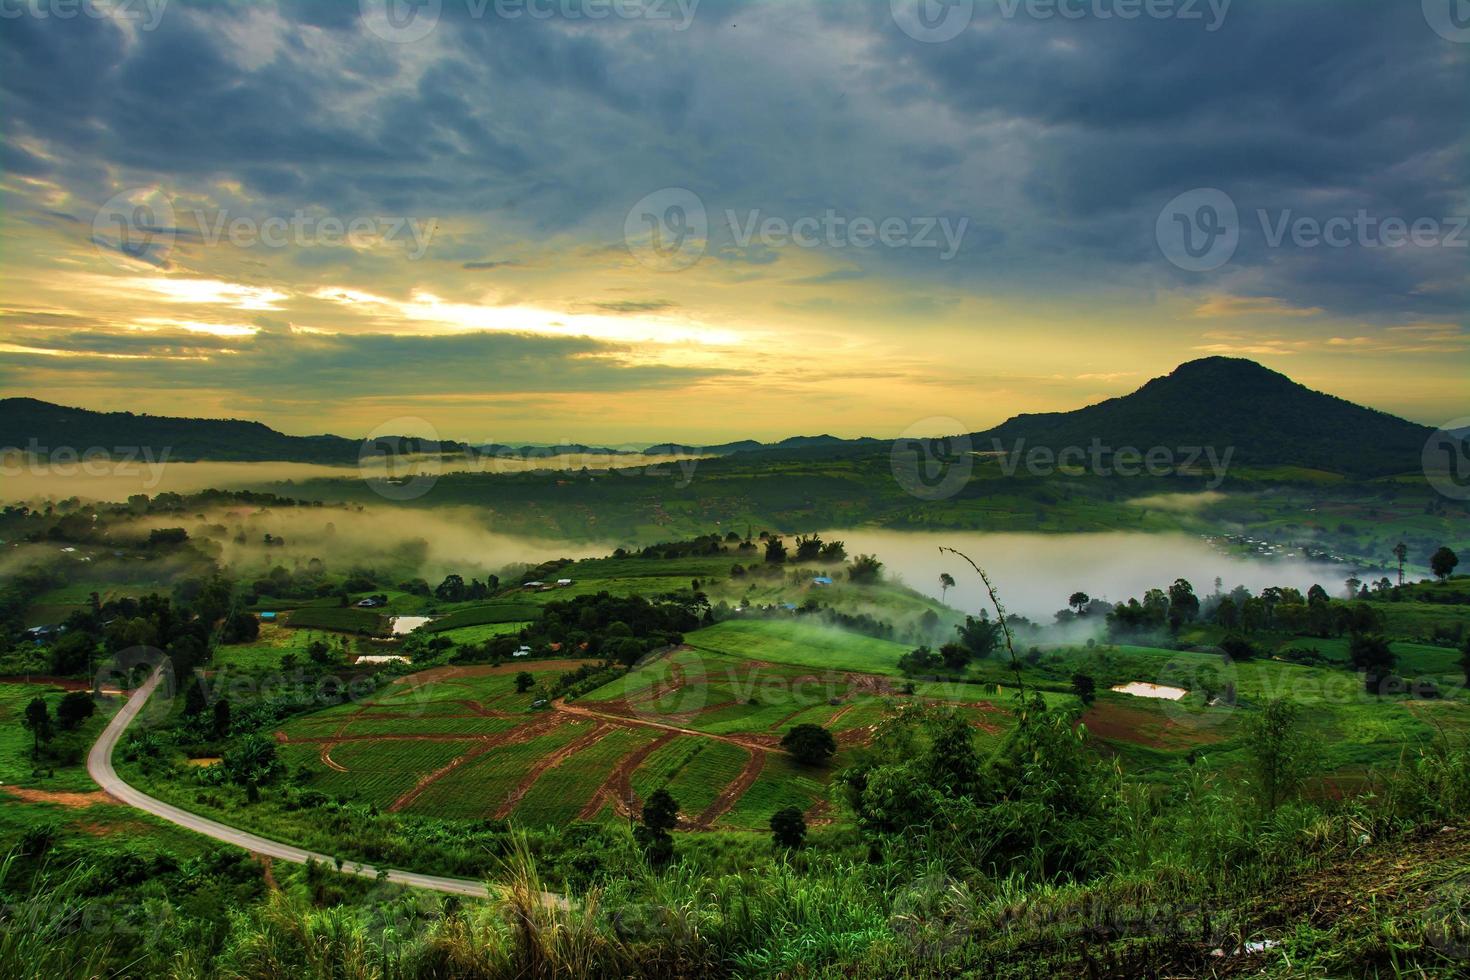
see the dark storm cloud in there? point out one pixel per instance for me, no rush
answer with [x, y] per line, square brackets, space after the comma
[1060, 139]
[343, 365]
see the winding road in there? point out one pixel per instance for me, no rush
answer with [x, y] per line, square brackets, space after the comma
[99, 766]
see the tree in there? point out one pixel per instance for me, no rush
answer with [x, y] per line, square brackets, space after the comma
[946, 582]
[38, 723]
[1237, 647]
[1401, 552]
[1078, 601]
[221, 718]
[240, 627]
[808, 547]
[865, 570]
[525, 680]
[979, 634]
[660, 815]
[452, 589]
[1278, 750]
[1183, 603]
[1372, 657]
[1465, 660]
[252, 760]
[775, 550]
[194, 699]
[956, 656]
[1442, 563]
[1084, 687]
[788, 828]
[74, 709]
[809, 744]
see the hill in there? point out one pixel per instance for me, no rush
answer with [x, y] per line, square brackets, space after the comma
[1228, 402]
[28, 422]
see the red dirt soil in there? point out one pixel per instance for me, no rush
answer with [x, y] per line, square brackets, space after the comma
[75, 801]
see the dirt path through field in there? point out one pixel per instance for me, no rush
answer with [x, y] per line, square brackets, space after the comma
[69, 800]
[732, 793]
[618, 787]
[550, 762]
[484, 744]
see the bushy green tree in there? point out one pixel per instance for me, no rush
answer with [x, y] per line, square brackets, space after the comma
[788, 828]
[74, 709]
[1278, 750]
[809, 744]
[37, 721]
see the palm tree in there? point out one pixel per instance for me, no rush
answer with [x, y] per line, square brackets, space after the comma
[946, 582]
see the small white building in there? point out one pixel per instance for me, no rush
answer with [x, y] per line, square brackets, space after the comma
[563, 582]
[524, 651]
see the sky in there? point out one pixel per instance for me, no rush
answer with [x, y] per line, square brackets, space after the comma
[626, 221]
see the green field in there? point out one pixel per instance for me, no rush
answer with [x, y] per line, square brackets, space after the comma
[800, 645]
[342, 619]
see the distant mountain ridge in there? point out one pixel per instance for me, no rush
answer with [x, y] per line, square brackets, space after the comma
[1231, 403]
[27, 423]
[1226, 403]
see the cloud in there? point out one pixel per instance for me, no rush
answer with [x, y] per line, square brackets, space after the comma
[1233, 306]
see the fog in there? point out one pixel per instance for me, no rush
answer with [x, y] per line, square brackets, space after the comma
[24, 479]
[1035, 573]
[432, 542]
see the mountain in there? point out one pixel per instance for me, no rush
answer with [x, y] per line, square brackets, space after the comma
[1225, 402]
[27, 423]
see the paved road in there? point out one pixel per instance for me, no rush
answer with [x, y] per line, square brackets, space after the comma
[99, 765]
